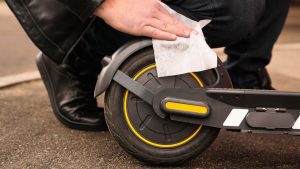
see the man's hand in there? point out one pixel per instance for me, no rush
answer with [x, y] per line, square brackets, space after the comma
[142, 18]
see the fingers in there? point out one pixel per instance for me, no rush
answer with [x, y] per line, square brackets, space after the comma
[168, 23]
[176, 29]
[155, 33]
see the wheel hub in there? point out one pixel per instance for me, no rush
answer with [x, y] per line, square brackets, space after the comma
[150, 128]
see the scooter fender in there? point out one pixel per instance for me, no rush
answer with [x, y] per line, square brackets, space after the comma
[112, 63]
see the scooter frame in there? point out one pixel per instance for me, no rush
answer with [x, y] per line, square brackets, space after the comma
[251, 111]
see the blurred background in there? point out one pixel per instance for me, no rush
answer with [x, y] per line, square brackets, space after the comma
[17, 53]
[31, 137]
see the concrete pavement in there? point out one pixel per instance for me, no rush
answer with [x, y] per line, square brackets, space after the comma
[31, 137]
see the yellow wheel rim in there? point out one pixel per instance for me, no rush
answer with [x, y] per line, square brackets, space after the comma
[138, 135]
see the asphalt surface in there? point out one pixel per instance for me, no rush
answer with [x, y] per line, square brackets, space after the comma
[31, 137]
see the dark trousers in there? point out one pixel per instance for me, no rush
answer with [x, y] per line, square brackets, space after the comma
[247, 28]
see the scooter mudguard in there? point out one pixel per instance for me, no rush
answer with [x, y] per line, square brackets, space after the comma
[112, 63]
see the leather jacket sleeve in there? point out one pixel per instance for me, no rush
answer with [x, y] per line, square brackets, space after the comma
[83, 9]
[51, 24]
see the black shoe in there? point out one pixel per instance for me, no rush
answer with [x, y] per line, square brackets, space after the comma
[71, 96]
[242, 79]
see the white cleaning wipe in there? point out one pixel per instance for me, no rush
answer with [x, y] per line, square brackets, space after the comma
[185, 54]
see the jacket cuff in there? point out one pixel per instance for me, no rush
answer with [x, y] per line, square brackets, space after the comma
[83, 9]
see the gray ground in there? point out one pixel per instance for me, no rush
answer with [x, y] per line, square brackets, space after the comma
[31, 137]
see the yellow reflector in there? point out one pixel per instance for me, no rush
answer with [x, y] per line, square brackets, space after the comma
[187, 107]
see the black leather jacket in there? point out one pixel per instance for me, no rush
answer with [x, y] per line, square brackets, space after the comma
[55, 26]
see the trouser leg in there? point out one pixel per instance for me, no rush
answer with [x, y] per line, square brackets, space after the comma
[248, 57]
[231, 20]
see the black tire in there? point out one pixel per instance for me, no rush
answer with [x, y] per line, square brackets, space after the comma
[120, 130]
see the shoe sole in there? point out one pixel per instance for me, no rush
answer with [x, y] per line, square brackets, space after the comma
[50, 89]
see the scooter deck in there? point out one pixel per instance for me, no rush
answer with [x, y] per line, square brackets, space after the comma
[229, 109]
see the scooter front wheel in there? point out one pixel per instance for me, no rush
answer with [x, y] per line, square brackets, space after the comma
[143, 134]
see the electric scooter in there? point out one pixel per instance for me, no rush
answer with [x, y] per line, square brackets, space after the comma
[170, 120]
